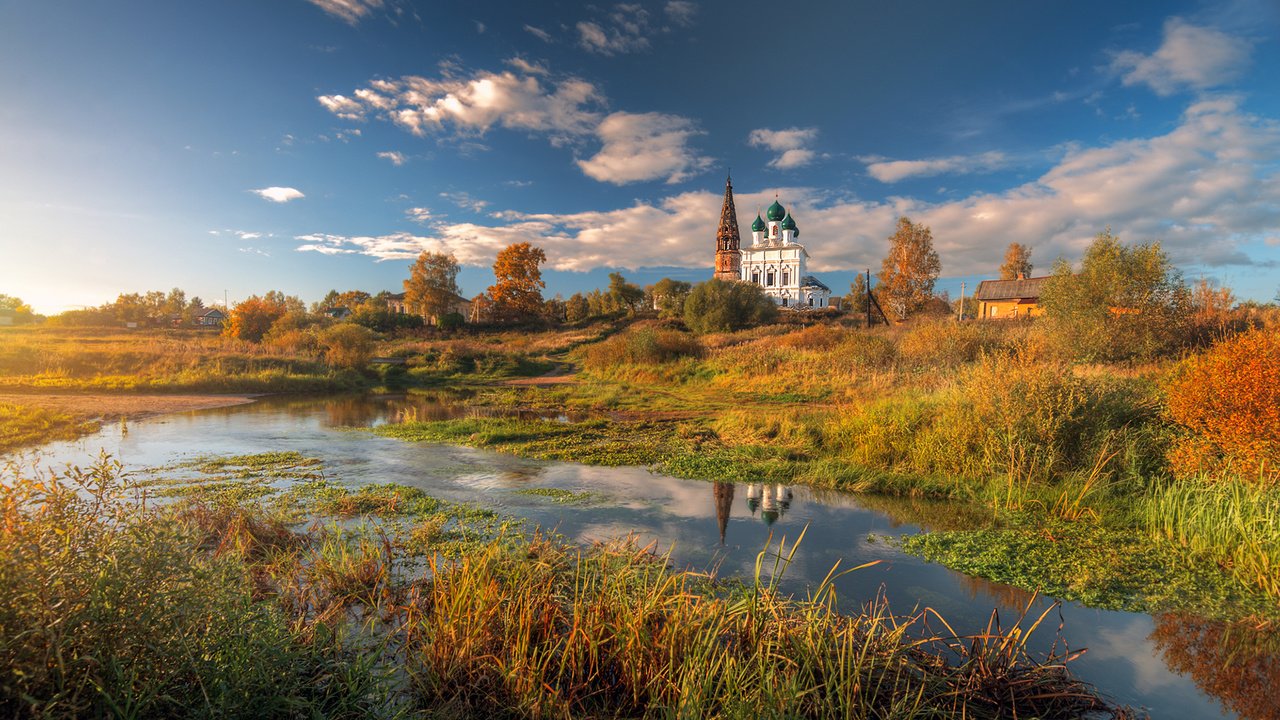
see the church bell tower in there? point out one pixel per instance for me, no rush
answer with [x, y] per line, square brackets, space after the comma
[728, 256]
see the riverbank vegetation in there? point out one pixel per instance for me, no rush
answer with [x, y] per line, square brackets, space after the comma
[203, 607]
[990, 414]
[22, 425]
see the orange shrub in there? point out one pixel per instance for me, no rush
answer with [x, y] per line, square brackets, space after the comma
[1228, 398]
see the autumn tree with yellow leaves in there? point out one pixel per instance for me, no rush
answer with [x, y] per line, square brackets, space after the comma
[517, 292]
[909, 270]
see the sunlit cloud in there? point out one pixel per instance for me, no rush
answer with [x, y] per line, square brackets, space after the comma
[891, 171]
[681, 12]
[348, 11]
[539, 33]
[1208, 190]
[1190, 57]
[789, 145]
[644, 146]
[397, 158]
[279, 194]
[626, 29]
[568, 111]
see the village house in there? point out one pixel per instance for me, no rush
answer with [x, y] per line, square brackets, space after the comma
[211, 317]
[457, 304]
[1009, 299]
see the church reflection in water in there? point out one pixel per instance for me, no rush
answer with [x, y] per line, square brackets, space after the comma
[771, 501]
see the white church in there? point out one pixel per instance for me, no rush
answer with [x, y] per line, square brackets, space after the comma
[775, 260]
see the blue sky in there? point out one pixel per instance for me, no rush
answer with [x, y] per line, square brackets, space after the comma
[303, 145]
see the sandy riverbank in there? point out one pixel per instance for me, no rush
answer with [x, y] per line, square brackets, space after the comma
[103, 407]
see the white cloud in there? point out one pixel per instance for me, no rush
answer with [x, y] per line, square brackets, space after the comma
[419, 214]
[681, 12]
[891, 171]
[465, 201]
[527, 67]
[644, 146]
[1190, 57]
[396, 246]
[396, 157]
[625, 30]
[539, 33]
[349, 11]
[793, 159]
[278, 194]
[523, 102]
[568, 110]
[788, 144]
[1209, 190]
[344, 107]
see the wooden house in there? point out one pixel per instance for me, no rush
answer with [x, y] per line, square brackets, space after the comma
[1009, 299]
[212, 317]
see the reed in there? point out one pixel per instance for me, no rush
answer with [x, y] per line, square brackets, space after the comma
[1231, 521]
[111, 608]
[546, 630]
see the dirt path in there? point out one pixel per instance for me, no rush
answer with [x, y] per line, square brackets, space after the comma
[561, 373]
[104, 407]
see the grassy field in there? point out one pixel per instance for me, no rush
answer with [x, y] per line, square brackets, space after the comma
[983, 414]
[315, 600]
[980, 414]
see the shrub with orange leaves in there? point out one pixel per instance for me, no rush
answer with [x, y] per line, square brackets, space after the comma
[1228, 399]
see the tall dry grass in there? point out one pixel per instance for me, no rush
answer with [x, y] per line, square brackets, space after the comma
[111, 608]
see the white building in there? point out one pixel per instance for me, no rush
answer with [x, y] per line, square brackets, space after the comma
[776, 261]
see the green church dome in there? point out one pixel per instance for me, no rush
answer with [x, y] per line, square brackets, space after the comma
[758, 225]
[776, 212]
[788, 223]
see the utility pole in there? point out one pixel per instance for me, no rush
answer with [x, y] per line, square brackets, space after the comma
[224, 300]
[868, 297]
[962, 302]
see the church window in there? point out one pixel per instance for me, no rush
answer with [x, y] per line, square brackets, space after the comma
[810, 301]
[786, 277]
[768, 279]
[784, 301]
[755, 276]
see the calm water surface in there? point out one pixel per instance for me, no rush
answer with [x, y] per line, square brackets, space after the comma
[1174, 667]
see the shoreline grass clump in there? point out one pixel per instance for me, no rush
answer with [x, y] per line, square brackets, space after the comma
[546, 630]
[1231, 522]
[25, 425]
[108, 607]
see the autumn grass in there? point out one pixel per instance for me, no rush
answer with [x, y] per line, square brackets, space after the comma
[25, 425]
[109, 607]
[157, 361]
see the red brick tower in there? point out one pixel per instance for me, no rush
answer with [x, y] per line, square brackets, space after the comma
[728, 257]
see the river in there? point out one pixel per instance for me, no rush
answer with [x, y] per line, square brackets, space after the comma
[1174, 667]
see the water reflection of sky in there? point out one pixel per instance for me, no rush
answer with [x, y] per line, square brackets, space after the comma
[685, 518]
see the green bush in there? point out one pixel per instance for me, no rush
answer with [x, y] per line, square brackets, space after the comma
[1126, 302]
[105, 611]
[450, 321]
[719, 306]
